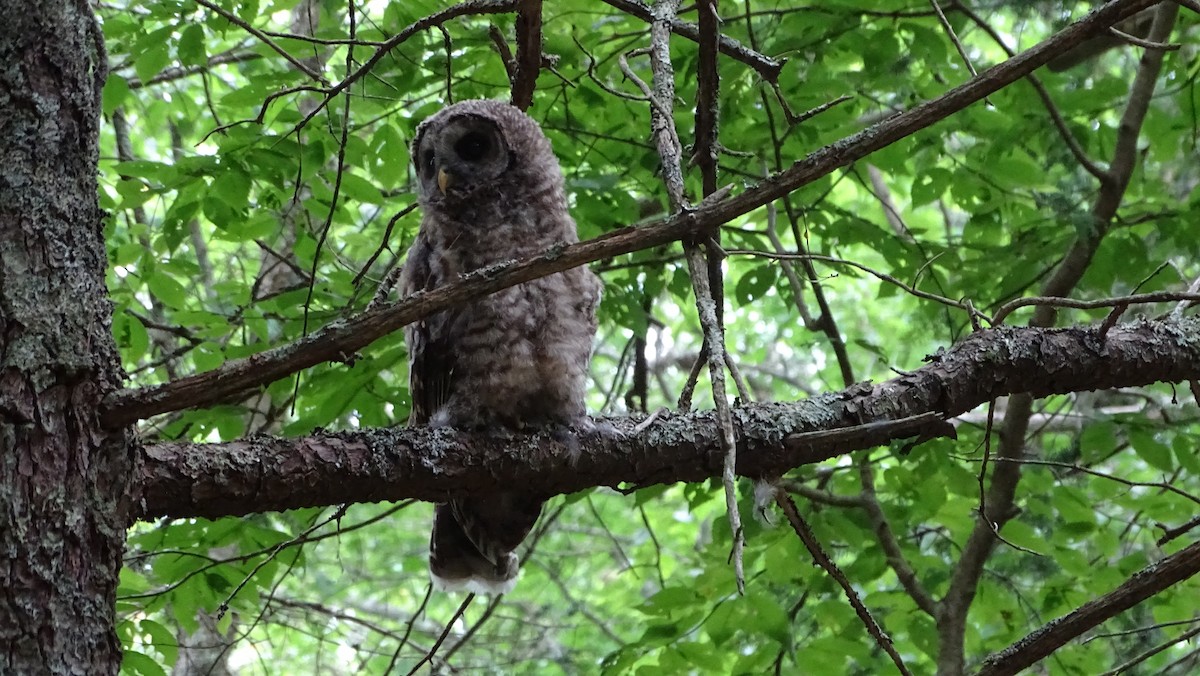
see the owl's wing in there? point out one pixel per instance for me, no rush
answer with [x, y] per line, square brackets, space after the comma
[430, 357]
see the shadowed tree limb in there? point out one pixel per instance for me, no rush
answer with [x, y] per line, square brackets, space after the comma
[1050, 637]
[820, 558]
[264, 473]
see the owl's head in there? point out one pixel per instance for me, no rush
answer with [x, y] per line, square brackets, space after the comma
[478, 147]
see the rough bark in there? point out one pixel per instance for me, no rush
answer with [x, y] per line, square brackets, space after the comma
[64, 480]
[182, 479]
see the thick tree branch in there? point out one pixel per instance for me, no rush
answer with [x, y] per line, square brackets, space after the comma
[263, 473]
[340, 340]
[1142, 585]
[529, 52]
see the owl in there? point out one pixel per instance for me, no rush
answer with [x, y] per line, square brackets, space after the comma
[491, 190]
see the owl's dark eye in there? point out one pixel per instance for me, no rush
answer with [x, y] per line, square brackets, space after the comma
[472, 146]
[427, 163]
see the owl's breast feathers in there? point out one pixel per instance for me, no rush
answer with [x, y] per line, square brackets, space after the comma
[516, 358]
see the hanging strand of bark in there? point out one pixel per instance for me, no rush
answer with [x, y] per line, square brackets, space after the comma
[670, 151]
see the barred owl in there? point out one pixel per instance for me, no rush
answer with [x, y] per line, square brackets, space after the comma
[491, 190]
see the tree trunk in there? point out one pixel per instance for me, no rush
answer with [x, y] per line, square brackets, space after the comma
[64, 480]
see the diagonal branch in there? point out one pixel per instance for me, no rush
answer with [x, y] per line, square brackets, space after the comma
[340, 340]
[820, 558]
[264, 473]
[1142, 585]
[266, 39]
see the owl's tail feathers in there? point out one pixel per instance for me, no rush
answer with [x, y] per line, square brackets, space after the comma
[456, 563]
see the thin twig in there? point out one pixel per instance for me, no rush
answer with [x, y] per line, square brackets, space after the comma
[505, 52]
[1146, 44]
[224, 607]
[1056, 117]
[1194, 287]
[323, 41]
[937, 9]
[689, 385]
[462, 608]
[1161, 485]
[822, 559]
[715, 338]
[178, 72]
[786, 256]
[266, 39]
[670, 151]
[448, 49]
[383, 242]
[1157, 626]
[337, 192]
[1057, 302]
[1172, 533]
[408, 627]
[1151, 652]
[437, 19]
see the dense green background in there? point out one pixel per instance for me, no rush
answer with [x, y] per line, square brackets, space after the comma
[220, 241]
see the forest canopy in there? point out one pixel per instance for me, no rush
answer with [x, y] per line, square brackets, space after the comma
[255, 169]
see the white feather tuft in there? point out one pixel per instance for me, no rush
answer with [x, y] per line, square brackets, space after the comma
[473, 585]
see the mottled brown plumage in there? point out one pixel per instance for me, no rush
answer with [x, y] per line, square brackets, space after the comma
[491, 190]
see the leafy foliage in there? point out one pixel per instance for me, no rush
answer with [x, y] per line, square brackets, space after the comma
[234, 227]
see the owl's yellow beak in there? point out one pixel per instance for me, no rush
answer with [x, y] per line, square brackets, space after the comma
[443, 180]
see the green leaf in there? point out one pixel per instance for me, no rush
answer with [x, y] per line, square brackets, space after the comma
[192, 46]
[161, 638]
[1153, 451]
[167, 291]
[1187, 453]
[151, 62]
[139, 664]
[358, 188]
[668, 600]
[768, 617]
[116, 92]
[755, 283]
